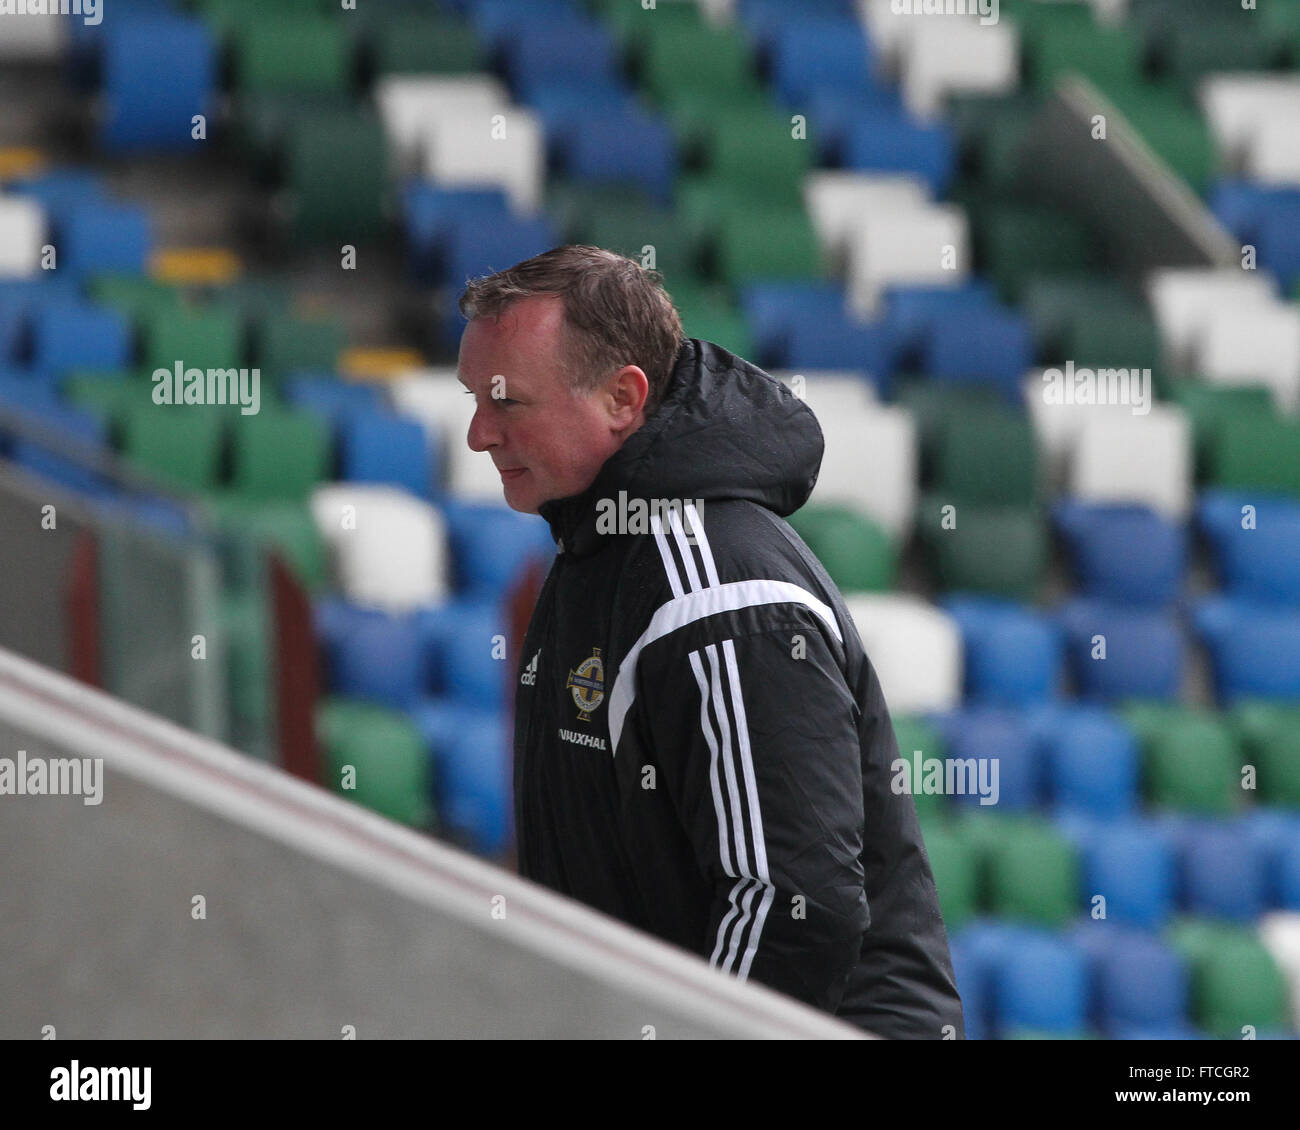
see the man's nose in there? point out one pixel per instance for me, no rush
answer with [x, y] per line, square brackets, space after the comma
[482, 433]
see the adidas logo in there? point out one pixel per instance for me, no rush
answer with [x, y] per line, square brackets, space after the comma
[529, 677]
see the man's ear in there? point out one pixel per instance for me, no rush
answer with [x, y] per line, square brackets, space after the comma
[627, 390]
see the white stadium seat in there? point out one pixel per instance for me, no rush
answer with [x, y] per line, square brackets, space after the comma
[1238, 105]
[1182, 297]
[870, 463]
[1147, 460]
[22, 234]
[1279, 932]
[410, 104]
[915, 649]
[389, 548]
[1057, 427]
[927, 246]
[1273, 153]
[838, 199]
[443, 406]
[943, 57]
[503, 147]
[33, 38]
[1258, 344]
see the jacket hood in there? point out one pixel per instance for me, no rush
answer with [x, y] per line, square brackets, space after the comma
[723, 430]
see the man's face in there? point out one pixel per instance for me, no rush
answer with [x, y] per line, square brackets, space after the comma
[546, 440]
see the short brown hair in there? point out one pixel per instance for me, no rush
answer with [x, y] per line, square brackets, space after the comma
[616, 312]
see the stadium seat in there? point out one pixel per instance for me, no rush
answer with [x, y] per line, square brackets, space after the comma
[839, 341]
[1182, 299]
[1255, 541]
[1254, 649]
[998, 550]
[915, 734]
[67, 336]
[284, 343]
[897, 143]
[616, 145]
[490, 545]
[1041, 988]
[857, 553]
[471, 773]
[947, 56]
[915, 649]
[818, 51]
[1012, 655]
[22, 235]
[159, 72]
[181, 444]
[1235, 983]
[979, 345]
[999, 756]
[1257, 345]
[1034, 875]
[378, 657]
[1133, 865]
[870, 464]
[390, 768]
[384, 447]
[505, 147]
[1144, 459]
[105, 238]
[423, 42]
[1258, 455]
[410, 104]
[198, 337]
[327, 199]
[388, 548]
[1117, 652]
[1270, 740]
[1190, 758]
[279, 453]
[955, 875]
[1139, 981]
[278, 53]
[774, 309]
[926, 246]
[1092, 763]
[1124, 553]
[985, 456]
[465, 642]
[912, 314]
[1222, 874]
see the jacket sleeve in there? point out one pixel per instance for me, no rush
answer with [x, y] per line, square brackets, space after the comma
[761, 755]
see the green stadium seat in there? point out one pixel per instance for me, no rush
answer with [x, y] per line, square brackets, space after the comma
[283, 343]
[261, 125]
[1188, 49]
[180, 444]
[857, 553]
[284, 54]
[698, 117]
[1235, 981]
[332, 199]
[279, 454]
[136, 297]
[1257, 454]
[1269, 734]
[767, 241]
[1015, 242]
[754, 150]
[1054, 303]
[1209, 407]
[634, 25]
[677, 55]
[1060, 39]
[956, 874]
[991, 130]
[628, 226]
[986, 456]
[707, 312]
[1191, 760]
[285, 526]
[998, 550]
[106, 395]
[1174, 130]
[912, 734]
[1033, 875]
[1125, 339]
[424, 43]
[199, 336]
[391, 768]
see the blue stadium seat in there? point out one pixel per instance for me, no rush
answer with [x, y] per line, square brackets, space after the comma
[894, 143]
[1041, 986]
[1134, 865]
[328, 396]
[470, 749]
[1092, 762]
[1221, 871]
[561, 105]
[1156, 1032]
[1144, 651]
[604, 146]
[19, 299]
[490, 544]
[497, 22]
[565, 51]
[70, 336]
[482, 249]
[1259, 563]
[1138, 980]
[378, 446]
[1012, 654]
[104, 238]
[60, 191]
[772, 308]
[1288, 876]
[464, 650]
[834, 114]
[1273, 831]
[158, 73]
[913, 312]
[980, 347]
[973, 989]
[64, 441]
[374, 655]
[1128, 554]
[984, 946]
[1267, 218]
[1000, 739]
[431, 213]
[1254, 649]
[842, 343]
[812, 52]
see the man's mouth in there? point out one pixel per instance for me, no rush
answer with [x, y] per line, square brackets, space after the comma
[512, 473]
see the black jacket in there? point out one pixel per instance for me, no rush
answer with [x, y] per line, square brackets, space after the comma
[701, 745]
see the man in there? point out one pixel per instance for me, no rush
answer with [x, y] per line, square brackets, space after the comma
[702, 748]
